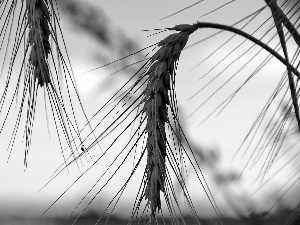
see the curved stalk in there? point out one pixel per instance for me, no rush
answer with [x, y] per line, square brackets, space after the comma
[199, 25]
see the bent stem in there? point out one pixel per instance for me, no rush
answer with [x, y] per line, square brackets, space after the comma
[249, 37]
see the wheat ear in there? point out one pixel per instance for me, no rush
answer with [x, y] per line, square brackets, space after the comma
[38, 19]
[40, 27]
[156, 100]
[38, 37]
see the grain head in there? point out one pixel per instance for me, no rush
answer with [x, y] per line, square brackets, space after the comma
[38, 19]
[156, 98]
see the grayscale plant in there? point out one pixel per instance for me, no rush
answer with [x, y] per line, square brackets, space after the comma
[145, 109]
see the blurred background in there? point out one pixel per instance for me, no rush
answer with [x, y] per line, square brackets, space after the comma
[97, 33]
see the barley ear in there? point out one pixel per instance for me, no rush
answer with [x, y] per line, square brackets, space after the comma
[156, 98]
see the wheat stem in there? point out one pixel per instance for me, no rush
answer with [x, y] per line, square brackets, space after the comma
[249, 37]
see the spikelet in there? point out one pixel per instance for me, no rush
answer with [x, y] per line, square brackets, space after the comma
[38, 19]
[156, 101]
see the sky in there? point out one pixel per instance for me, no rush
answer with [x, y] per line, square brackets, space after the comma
[19, 188]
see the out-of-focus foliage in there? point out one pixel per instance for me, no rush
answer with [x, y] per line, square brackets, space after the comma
[94, 22]
[113, 42]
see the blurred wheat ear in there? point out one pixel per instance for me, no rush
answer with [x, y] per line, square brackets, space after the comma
[44, 71]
